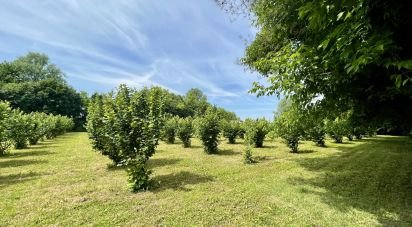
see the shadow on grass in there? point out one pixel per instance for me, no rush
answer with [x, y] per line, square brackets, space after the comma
[370, 176]
[8, 180]
[153, 163]
[178, 181]
[27, 153]
[306, 151]
[18, 162]
[228, 152]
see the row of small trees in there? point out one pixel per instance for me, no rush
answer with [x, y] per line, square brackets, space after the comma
[294, 125]
[210, 127]
[20, 129]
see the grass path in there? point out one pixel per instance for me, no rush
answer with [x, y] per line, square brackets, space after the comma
[64, 183]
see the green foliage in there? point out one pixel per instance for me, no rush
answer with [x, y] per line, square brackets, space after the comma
[138, 174]
[247, 156]
[22, 128]
[290, 128]
[32, 84]
[5, 127]
[338, 55]
[255, 131]
[336, 129]
[208, 130]
[185, 130]
[230, 130]
[170, 129]
[126, 127]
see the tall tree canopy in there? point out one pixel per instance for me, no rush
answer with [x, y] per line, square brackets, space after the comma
[31, 67]
[338, 54]
[31, 83]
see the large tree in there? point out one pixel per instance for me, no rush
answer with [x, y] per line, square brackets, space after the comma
[31, 83]
[338, 54]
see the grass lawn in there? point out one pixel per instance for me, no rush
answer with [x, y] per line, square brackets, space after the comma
[63, 182]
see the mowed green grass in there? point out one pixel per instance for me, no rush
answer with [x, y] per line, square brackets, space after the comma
[64, 183]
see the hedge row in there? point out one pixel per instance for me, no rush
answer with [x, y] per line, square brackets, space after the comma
[20, 129]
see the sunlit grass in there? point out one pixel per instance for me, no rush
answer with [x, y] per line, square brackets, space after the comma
[63, 182]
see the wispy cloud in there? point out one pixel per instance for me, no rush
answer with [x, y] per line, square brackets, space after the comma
[176, 44]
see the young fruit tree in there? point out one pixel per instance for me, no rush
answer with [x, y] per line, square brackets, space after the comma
[5, 127]
[289, 127]
[208, 130]
[185, 130]
[170, 129]
[230, 130]
[256, 131]
[125, 126]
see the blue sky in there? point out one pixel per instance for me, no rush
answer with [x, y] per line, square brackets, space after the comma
[176, 44]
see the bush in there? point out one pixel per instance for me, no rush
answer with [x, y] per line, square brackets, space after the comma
[256, 131]
[289, 127]
[208, 130]
[185, 130]
[317, 134]
[129, 131]
[95, 122]
[337, 129]
[247, 157]
[170, 129]
[21, 129]
[5, 127]
[230, 130]
[38, 127]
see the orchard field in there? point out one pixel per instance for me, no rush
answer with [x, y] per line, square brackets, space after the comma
[64, 182]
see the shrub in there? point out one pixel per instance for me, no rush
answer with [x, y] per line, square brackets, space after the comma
[247, 157]
[208, 130]
[256, 131]
[185, 130]
[170, 129]
[5, 127]
[230, 130]
[289, 127]
[337, 129]
[21, 129]
[38, 127]
[95, 122]
[129, 131]
[317, 134]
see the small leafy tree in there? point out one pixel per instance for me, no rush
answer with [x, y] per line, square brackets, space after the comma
[185, 130]
[208, 130]
[230, 130]
[256, 131]
[337, 128]
[248, 157]
[95, 122]
[170, 129]
[129, 131]
[21, 129]
[289, 127]
[5, 127]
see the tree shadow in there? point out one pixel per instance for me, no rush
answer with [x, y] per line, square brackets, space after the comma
[228, 152]
[368, 177]
[259, 158]
[8, 180]
[28, 153]
[178, 181]
[18, 162]
[306, 151]
[159, 162]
